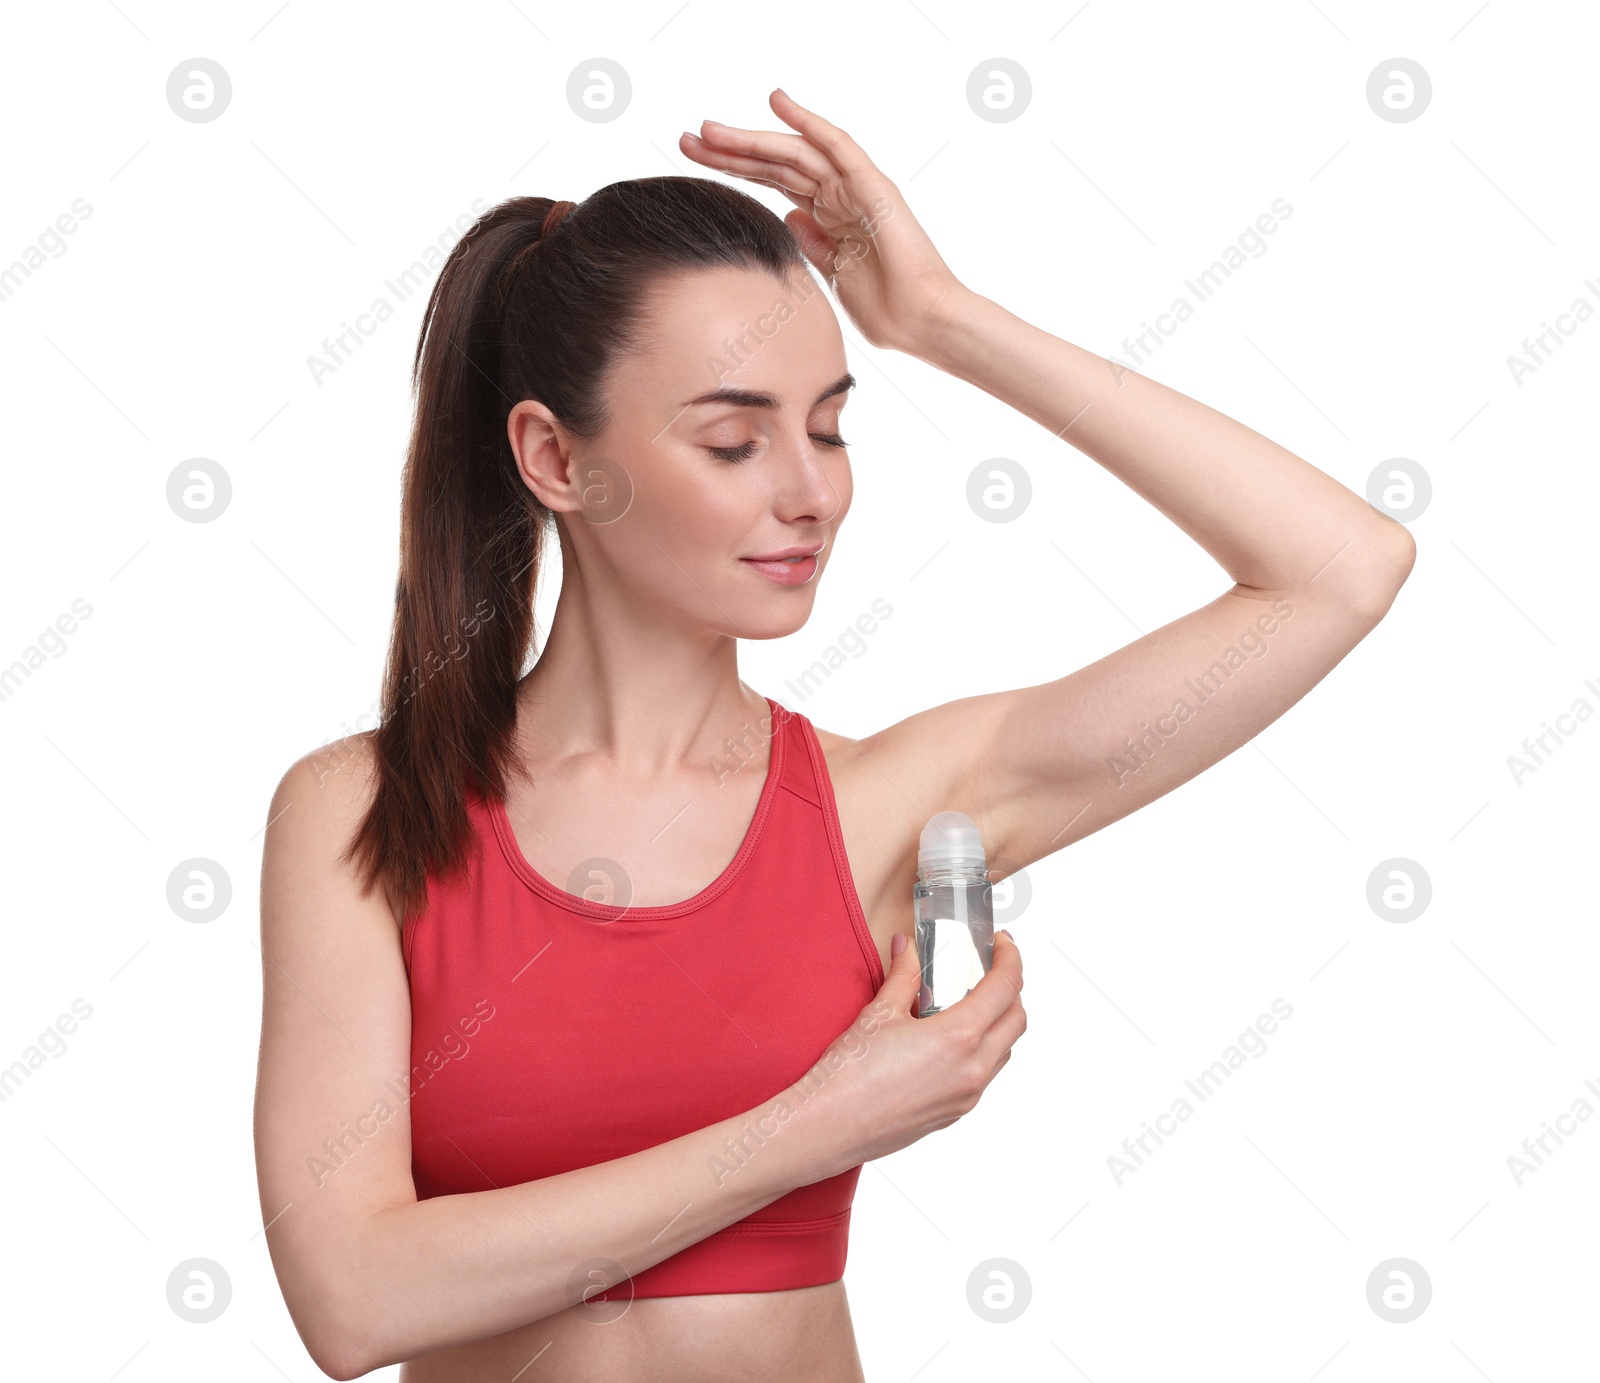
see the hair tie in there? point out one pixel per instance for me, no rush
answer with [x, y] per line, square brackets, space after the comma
[554, 217]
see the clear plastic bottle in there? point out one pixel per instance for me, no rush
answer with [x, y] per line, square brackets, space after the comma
[954, 905]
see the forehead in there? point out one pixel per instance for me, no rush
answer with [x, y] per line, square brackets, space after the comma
[710, 327]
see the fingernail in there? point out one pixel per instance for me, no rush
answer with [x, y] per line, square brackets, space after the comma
[1007, 935]
[897, 945]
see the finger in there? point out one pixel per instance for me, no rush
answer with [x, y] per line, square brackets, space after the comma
[995, 1045]
[745, 166]
[998, 989]
[814, 242]
[804, 203]
[793, 150]
[1011, 946]
[904, 976]
[846, 154]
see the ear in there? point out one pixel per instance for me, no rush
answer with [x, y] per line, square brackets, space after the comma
[543, 454]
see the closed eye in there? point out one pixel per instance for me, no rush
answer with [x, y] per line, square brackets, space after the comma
[746, 450]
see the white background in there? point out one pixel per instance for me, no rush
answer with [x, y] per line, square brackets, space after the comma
[1378, 1124]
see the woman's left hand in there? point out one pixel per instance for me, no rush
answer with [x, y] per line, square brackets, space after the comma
[852, 222]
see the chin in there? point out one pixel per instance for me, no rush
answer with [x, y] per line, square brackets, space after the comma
[773, 618]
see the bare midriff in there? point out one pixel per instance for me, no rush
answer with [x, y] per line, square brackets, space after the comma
[800, 1336]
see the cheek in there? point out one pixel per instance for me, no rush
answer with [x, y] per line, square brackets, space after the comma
[699, 506]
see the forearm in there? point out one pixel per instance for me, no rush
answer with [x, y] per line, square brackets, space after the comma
[1270, 519]
[463, 1267]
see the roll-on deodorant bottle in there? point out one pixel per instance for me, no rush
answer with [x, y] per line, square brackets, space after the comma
[954, 906]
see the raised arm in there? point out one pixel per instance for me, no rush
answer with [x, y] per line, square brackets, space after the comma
[372, 1276]
[1314, 566]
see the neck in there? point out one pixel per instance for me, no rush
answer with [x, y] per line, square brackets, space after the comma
[623, 683]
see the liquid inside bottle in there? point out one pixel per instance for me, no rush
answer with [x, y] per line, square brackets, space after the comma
[954, 908]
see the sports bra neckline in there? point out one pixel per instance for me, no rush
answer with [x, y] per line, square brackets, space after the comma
[609, 912]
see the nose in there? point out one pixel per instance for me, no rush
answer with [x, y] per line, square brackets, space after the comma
[815, 483]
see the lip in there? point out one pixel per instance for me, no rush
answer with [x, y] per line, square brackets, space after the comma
[791, 572]
[786, 552]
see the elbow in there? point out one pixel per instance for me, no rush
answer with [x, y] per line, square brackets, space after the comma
[1401, 549]
[335, 1366]
[1384, 563]
[339, 1342]
[335, 1350]
[338, 1353]
[1404, 555]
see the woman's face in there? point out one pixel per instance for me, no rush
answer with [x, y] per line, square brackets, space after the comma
[724, 446]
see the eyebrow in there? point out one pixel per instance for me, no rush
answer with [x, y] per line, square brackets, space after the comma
[754, 398]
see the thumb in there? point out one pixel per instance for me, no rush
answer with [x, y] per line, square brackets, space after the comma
[903, 981]
[814, 242]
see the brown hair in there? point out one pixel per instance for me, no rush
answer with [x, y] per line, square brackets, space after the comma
[521, 309]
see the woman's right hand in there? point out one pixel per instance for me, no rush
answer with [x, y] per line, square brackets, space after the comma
[894, 1078]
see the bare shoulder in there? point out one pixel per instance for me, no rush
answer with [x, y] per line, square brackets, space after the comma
[318, 805]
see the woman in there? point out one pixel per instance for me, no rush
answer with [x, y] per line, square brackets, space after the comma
[640, 1096]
